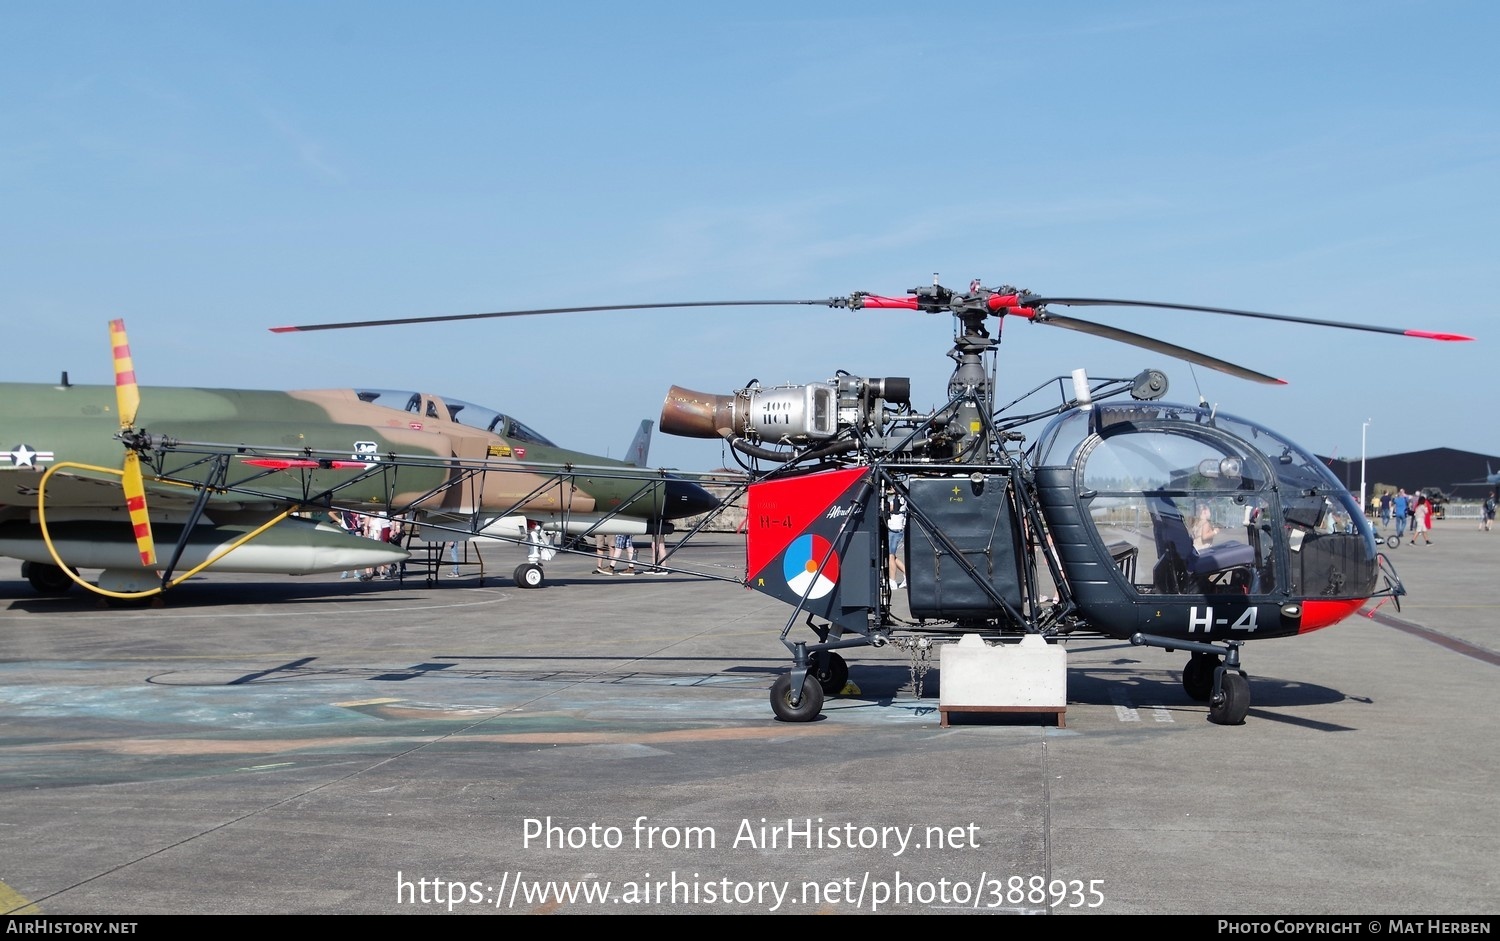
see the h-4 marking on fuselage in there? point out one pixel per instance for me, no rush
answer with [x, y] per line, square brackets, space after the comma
[1208, 622]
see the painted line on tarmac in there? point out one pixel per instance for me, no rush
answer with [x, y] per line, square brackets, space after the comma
[166, 747]
[1128, 711]
[14, 903]
[166, 614]
[1442, 640]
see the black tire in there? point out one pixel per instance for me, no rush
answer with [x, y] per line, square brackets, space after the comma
[805, 711]
[47, 580]
[529, 575]
[1198, 677]
[832, 677]
[1392, 542]
[1233, 701]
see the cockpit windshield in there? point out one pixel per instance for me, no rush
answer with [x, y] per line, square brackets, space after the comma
[1293, 467]
[464, 413]
[1204, 502]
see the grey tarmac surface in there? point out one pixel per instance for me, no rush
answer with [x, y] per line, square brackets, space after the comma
[317, 745]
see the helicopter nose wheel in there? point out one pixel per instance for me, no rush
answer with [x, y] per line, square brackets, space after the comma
[1198, 676]
[1212, 674]
[1232, 701]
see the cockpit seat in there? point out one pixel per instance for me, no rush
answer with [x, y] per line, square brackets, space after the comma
[1183, 567]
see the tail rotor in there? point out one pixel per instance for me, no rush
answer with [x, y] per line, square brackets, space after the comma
[128, 400]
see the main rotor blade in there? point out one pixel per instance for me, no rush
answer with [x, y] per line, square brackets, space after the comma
[1156, 346]
[528, 313]
[1033, 301]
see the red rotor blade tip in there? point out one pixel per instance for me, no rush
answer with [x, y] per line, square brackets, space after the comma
[1430, 335]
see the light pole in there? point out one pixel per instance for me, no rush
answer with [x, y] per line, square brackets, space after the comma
[1362, 429]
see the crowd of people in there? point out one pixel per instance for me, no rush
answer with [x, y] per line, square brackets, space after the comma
[381, 528]
[1405, 510]
[1413, 514]
[617, 549]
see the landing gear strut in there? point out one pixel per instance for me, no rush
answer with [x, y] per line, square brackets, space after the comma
[1212, 675]
[798, 696]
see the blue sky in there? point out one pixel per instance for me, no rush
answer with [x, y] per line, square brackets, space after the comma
[209, 170]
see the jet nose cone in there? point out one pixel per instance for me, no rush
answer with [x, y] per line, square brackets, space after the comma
[685, 498]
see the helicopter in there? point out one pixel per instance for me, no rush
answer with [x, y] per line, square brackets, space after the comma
[1164, 525]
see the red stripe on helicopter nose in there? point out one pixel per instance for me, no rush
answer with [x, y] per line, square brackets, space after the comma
[1317, 614]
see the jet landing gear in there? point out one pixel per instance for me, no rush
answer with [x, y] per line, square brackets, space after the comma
[47, 580]
[1212, 675]
[529, 575]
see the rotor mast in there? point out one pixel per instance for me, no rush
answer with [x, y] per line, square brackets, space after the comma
[971, 387]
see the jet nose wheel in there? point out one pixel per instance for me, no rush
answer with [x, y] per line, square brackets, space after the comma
[529, 575]
[48, 580]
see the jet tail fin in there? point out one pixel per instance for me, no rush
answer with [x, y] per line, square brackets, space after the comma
[640, 445]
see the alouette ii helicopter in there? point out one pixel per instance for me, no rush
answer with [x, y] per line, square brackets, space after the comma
[1171, 526]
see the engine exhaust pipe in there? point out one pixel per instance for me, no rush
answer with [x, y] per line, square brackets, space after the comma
[689, 414]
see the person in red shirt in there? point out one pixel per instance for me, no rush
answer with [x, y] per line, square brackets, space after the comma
[1421, 520]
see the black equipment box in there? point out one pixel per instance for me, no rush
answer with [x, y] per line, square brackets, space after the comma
[962, 548]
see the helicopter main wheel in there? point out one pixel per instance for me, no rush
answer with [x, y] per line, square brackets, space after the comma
[529, 575]
[47, 580]
[1233, 700]
[833, 677]
[1198, 676]
[805, 711]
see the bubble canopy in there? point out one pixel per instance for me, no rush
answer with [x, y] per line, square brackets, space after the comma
[1246, 510]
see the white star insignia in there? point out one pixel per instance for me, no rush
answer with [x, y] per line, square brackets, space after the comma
[24, 455]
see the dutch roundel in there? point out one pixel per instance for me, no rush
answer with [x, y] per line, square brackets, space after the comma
[801, 562]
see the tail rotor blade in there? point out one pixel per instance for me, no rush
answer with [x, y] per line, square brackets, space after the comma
[127, 393]
[128, 400]
[135, 502]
